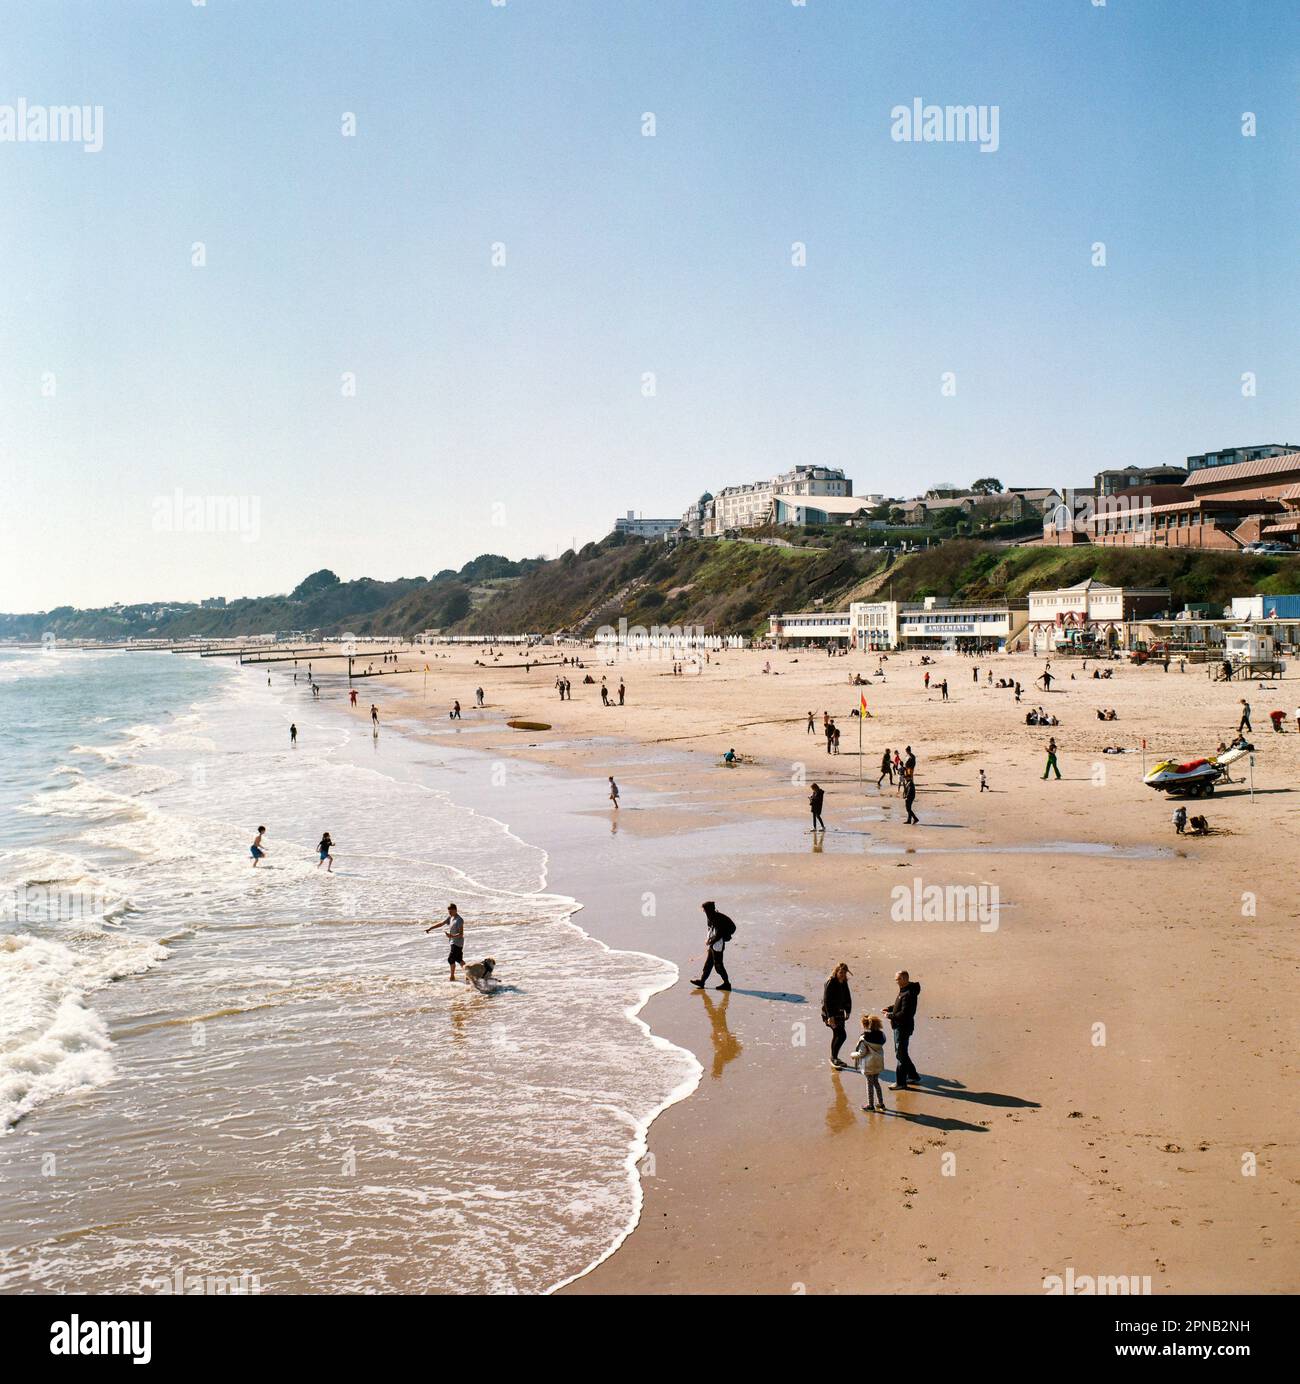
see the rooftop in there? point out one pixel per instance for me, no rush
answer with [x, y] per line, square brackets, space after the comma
[1244, 470]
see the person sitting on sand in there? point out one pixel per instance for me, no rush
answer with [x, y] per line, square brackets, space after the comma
[729, 757]
[1200, 827]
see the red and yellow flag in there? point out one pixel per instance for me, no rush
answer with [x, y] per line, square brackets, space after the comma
[863, 697]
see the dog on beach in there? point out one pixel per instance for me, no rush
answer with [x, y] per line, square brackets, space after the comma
[479, 975]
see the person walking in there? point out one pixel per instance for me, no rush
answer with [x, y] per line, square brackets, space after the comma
[886, 767]
[984, 783]
[374, 718]
[293, 733]
[815, 800]
[478, 695]
[455, 926]
[323, 850]
[1244, 723]
[621, 691]
[902, 1019]
[721, 931]
[1052, 767]
[943, 687]
[454, 713]
[909, 797]
[837, 1005]
[811, 723]
[613, 792]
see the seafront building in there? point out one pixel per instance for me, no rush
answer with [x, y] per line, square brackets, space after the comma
[1229, 456]
[753, 504]
[1090, 615]
[932, 623]
[1221, 503]
[638, 526]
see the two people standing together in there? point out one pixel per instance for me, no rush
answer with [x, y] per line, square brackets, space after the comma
[837, 1005]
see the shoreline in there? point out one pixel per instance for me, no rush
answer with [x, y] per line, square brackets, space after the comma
[662, 1253]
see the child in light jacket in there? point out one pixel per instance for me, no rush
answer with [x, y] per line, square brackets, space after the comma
[869, 1058]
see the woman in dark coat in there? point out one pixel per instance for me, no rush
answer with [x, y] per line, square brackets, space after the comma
[837, 1005]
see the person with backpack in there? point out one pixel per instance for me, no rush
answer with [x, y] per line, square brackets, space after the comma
[721, 931]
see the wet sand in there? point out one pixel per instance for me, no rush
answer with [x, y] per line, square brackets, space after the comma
[1105, 1072]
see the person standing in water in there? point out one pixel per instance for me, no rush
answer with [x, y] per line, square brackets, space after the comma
[837, 1005]
[352, 696]
[374, 718]
[613, 792]
[293, 733]
[815, 800]
[326, 845]
[455, 926]
[257, 850]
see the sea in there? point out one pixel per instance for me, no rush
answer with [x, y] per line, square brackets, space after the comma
[220, 1078]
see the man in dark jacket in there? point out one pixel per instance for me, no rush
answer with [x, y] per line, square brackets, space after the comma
[837, 1005]
[902, 1016]
[721, 930]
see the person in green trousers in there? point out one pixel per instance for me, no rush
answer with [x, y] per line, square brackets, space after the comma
[1052, 766]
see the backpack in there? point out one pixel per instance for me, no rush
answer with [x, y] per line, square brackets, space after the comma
[724, 927]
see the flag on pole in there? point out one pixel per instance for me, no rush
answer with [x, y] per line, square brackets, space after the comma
[863, 697]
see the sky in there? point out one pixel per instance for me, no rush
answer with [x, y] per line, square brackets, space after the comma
[173, 429]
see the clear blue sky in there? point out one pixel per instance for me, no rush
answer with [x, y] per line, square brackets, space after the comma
[520, 387]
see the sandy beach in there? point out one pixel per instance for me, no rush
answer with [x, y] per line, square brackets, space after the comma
[1105, 1057]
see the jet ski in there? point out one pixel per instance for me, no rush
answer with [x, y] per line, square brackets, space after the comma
[1194, 779]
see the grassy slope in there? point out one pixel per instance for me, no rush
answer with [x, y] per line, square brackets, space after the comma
[726, 586]
[729, 587]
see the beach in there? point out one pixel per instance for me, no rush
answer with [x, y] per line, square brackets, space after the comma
[1105, 1048]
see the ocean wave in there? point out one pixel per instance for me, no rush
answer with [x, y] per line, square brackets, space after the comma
[52, 1043]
